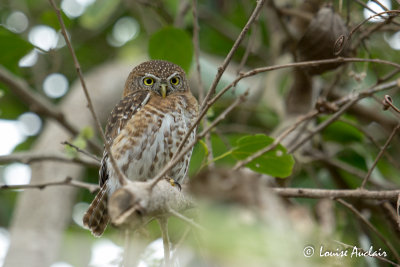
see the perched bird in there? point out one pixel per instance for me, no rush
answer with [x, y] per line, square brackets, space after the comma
[144, 131]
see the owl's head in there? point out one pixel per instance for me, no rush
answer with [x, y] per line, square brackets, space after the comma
[162, 77]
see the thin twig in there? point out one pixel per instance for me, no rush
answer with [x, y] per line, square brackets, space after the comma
[189, 221]
[347, 38]
[84, 152]
[31, 157]
[370, 226]
[391, 216]
[373, 141]
[322, 126]
[348, 101]
[67, 181]
[356, 172]
[249, 46]
[121, 176]
[379, 156]
[277, 140]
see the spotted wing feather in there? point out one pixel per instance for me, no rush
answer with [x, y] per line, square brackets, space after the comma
[120, 115]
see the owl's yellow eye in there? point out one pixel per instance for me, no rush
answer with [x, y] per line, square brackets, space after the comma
[148, 81]
[175, 81]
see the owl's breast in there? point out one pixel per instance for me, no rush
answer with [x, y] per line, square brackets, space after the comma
[149, 141]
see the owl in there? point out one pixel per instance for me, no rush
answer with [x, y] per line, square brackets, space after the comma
[144, 131]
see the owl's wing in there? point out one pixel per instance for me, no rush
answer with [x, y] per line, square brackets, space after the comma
[122, 112]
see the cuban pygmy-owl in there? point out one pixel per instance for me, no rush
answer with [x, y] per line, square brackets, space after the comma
[144, 131]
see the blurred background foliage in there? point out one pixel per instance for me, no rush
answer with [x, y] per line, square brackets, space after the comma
[101, 31]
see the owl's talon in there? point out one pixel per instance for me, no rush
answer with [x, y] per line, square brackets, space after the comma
[174, 182]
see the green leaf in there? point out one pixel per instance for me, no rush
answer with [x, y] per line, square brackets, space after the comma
[342, 132]
[172, 44]
[276, 162]
[13, 48]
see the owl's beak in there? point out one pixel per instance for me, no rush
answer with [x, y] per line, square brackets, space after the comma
[163, 90]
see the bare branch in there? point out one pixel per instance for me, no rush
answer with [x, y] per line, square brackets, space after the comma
[31, 157]
[67, 181]
[189, 221]
[332, 193]
[379, 156]
[84, 152]
[356, 172]
[277, 140]
[322, 126]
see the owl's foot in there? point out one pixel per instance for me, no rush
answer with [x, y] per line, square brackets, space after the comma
[174, 182]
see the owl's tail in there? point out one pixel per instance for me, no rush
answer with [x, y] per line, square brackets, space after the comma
[96, 217]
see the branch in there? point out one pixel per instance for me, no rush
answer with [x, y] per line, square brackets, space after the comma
[31, 157]
[356, 172]
[84, 152]
[283, 192]
[67, 181]
[322, 125]
[379, 155]
[121, 176]
[332, 193]
[277, 140]
[189, 221]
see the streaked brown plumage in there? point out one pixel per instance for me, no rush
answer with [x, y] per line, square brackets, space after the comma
[144, 130]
